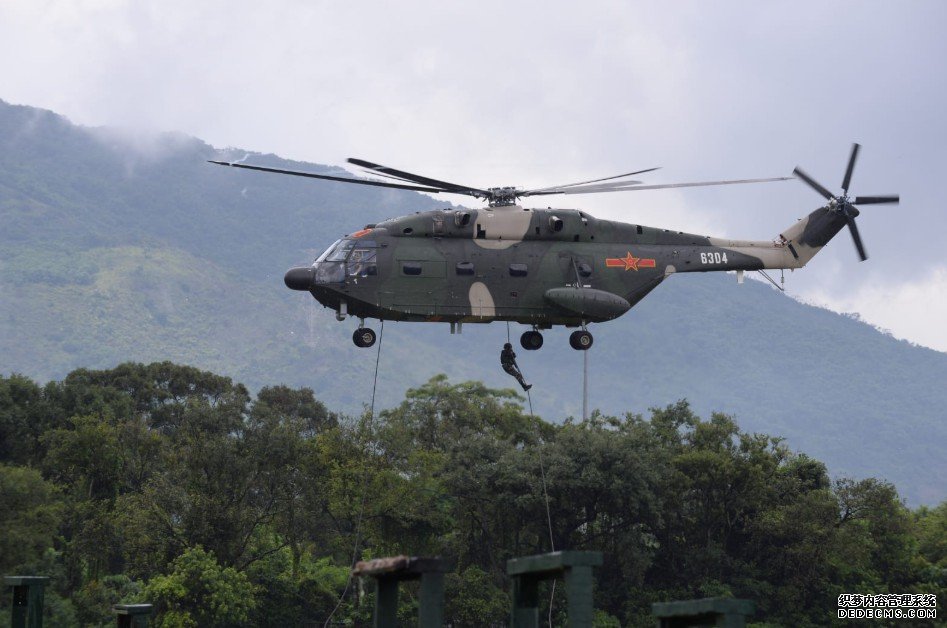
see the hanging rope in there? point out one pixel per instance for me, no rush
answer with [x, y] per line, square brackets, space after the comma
[381, 334]
[542, 466]
[585, 385]
[361, 509]
[542, 475]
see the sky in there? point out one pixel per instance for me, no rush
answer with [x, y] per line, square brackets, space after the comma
[540, 93]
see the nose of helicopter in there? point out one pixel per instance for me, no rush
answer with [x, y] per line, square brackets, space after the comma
[299, 278]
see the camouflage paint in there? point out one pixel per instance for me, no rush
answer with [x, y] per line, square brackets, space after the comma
[512, 263]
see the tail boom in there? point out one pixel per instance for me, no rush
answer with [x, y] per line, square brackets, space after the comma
[793, 248]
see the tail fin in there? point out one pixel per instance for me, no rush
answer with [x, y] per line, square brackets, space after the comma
[808, 235]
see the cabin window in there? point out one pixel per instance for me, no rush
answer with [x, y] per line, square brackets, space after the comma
[518, 270]
[465, 268]
[411, 268]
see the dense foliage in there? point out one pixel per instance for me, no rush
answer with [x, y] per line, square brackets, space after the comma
[167, 484]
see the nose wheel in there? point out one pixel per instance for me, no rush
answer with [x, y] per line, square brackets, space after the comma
[531, 340]
[364, 337]
[580, 340]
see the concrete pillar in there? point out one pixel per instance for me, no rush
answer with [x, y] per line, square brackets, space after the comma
[27, 610]
[132, 615]
[389, 572]
[574, 567]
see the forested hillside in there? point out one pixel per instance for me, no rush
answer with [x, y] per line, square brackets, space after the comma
[177, 487]
[116, 246]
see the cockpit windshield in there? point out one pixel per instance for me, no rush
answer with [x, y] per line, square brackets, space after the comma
[329, 250]
[337, 252]
[352, 258]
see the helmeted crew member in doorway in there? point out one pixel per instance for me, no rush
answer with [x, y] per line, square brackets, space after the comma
[508, 361]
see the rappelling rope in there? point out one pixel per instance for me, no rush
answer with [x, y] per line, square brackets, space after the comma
[361, 509]
[371, 414]
[542, 467]
[542, 475]
[585, 385]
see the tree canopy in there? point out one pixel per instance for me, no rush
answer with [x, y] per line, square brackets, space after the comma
[170, 485]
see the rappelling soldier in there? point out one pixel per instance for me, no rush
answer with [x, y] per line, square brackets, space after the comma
[508, 362]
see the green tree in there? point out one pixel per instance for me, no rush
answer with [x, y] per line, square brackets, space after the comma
[94, 601]
[931, 526]
[30, 514]
[474, 599]
[200, 592]
[25, 414]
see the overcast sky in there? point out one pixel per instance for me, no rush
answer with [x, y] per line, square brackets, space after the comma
[539, 93]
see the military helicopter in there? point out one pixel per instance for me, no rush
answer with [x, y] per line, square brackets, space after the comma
[538, 267]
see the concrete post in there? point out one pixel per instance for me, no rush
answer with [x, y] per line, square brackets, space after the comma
[27, 611]
[574, 567]
[132, 615]
[389, 572]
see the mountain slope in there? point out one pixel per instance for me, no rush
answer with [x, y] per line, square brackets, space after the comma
[119, 247]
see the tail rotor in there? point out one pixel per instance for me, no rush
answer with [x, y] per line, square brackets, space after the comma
[843, 203]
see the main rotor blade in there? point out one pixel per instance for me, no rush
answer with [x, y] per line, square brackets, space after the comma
[813, 183]
[311, 175]
[407, 176]
[853, 228]
[597, 189]
[851, 166]
[570, 185]
[877, 200]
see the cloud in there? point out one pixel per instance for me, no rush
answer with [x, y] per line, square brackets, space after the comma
[913, 310]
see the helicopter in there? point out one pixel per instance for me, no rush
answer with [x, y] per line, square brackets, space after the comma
[537, 267]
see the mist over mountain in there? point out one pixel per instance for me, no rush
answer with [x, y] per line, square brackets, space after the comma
[116, 246]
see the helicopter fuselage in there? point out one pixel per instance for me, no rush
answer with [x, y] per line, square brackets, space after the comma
[540, 267]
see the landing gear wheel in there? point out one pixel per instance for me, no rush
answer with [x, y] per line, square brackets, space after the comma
[364, 337]
[531, 340]
[580, 340]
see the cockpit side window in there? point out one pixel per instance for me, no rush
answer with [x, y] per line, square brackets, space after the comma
[362, 260]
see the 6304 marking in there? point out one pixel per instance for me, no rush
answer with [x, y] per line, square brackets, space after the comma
[715, 257]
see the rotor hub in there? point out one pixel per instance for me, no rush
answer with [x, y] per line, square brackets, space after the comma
[502, 196]
[840, 203]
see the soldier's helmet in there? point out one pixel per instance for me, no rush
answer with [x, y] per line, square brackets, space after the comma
[507, 346]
